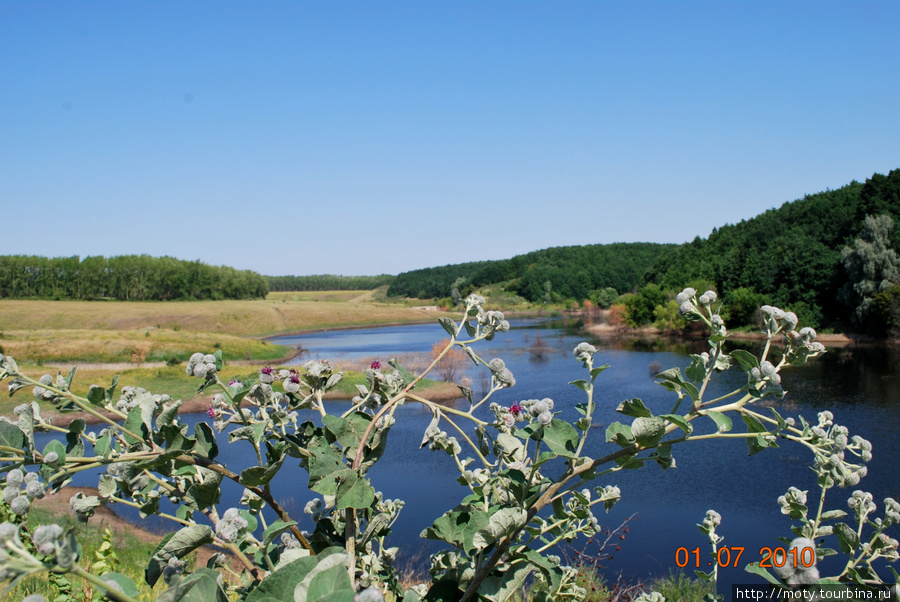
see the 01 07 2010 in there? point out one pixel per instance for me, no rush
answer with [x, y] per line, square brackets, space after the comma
[729, 556]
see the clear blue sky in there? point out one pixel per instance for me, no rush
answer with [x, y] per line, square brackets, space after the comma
[378, 137]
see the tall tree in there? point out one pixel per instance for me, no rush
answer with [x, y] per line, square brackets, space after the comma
[872, 267]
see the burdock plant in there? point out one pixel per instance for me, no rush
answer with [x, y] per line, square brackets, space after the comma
[531, 486]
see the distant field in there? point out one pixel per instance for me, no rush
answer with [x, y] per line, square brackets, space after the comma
[129, 333]
[280, 313]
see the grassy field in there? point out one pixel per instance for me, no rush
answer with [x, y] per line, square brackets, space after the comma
[137, 332]
[280, 313]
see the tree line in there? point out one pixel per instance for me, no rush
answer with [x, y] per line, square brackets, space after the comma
[328, 282]
[553, 274]
[124, 278]
[791, 256]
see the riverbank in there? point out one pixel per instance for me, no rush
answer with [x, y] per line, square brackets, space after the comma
[607, 331]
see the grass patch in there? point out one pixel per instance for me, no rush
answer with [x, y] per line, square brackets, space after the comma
[678, 587]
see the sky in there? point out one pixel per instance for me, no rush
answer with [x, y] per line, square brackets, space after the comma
[374, 137]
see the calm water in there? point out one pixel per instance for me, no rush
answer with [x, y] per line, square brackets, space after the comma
[859, 385]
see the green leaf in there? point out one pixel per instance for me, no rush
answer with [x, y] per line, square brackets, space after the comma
[595, 372]
[168, 414]
[220, 360]
[753, 424]
[135, 424]
[581, 384]
[104, 445]
[274, 530]
[206, 441]
[74, 444]
[106, 487]
[26, 424]
[258, 475]
[561, 437]
[112, 388]
[332, 585]
[755, 569]
[448, 325]
[128, 586]
[176, 545]
[466, 392]
[96, 395]
[723, 422]
[70, 376]
[200, 586]
[696, 371]
[58, 447]
[329, 580]
[348, 431]
[634, 408]
[468, 350]
[279, 585]
[648, 431]
[847, 537]
[458, 527]
[679, 421]
[501, 523]
[833, 514]
[470, 329]
[620, 434]
[203, 495]
[746, 360]
[353, 491]
[11, 435]
[692, 391]
[501, 588]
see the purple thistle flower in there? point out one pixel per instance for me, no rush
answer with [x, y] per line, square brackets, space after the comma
[375, 365]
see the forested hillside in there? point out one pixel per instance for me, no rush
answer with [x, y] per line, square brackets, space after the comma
[556, 274]
[790, 256]
[124, 277]
[327, 282]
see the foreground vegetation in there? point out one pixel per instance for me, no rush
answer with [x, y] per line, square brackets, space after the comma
[530, 485]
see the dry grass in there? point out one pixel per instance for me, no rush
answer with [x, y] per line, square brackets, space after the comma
[280, 313]
[129, 346]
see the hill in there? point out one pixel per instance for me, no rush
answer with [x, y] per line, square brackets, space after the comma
[790, 255]
[558, 273]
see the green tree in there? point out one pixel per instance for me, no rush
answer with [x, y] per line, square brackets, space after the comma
[605, 297]
[640, 307]
[741, 305]
[872, 267]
